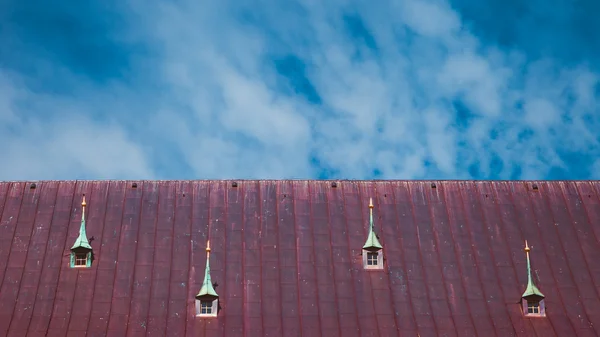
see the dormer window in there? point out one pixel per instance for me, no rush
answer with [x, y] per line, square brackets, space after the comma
[81, 252]
[207, 307]
[80, 260]
[372, 249]
[532, 299]
[207, 299]
[533, 307]
[372, 259]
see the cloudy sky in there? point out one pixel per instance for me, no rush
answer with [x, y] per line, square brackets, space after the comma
[203, 89]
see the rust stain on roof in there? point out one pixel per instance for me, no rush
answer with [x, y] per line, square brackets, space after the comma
[286, 258]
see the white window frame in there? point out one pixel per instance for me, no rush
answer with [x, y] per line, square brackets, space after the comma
[378, 266]
[525, 307]
[213, 311]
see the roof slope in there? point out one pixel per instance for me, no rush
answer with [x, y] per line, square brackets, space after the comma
[286, 257]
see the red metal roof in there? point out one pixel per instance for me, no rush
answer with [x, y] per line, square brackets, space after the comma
[286, 257]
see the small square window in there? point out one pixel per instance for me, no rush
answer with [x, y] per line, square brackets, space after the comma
[371, 259]
[533, 307]
[206, 307]
[80, 259]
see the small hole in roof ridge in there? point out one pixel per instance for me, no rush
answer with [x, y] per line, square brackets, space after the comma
[534, 186]
[433, 185]
[334, 184]
[234, 184]
[32, 186]
[134, 185]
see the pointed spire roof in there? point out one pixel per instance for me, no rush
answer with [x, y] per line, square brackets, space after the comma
[372, 240]
[82, 241]
[531, 289]
[207, 286]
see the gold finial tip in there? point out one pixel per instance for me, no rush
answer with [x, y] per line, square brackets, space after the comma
[527, 249]
[208, 246]
[371, 203]
[83, 203]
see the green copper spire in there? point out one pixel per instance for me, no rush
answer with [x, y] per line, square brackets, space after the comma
[82, 241]
[207, 287]
[372, 241]
[531, 290]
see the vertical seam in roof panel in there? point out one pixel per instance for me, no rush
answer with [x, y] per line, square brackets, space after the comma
[413, 214]
[505, 239]
[597, 197]
[312, 234]
[209, 206]
[188, 286]
[337, 303]
[277, 224]
[559, 297]
[587, 213]
[395, 203]
[489, 244]
[297, 256]
[171, 259]
[26, 254]
[99, 250]
[13, 234]
[587, 265]
[137, 240]
[387, 272]
[186, 186]
[157, 187]
[224, 250]
[62, 255]
[117, 255]
[5, 199]
[188, 312]
[562, 247]
[244, 283]
[352, 281]
[367, 273]
[437, 251]
[458, 263]
[470, 230]
[260, 252]
[37, 289]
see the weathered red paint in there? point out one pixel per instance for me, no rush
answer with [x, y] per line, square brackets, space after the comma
[286, 257]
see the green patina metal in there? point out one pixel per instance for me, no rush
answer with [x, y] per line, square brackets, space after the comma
[207, 286]
[82, 241]
[531, 289]
[372, 240]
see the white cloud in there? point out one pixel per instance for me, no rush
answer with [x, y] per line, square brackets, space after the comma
[62, 144]
[432, 19]
[221, 111]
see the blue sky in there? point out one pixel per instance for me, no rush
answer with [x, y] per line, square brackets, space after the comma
[408, 89]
